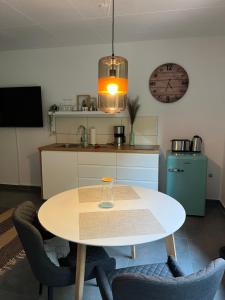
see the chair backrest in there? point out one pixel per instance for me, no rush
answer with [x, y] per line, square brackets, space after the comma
[197, 286]
[24, 218]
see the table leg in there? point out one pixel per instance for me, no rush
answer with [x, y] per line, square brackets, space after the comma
[80, 270]
[133, 252]
[170, 246]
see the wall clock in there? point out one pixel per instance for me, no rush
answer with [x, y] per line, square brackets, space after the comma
[168, 83]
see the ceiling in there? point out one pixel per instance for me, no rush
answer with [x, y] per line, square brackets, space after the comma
[27, 24]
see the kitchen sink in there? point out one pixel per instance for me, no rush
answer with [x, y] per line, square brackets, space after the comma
[70, 146]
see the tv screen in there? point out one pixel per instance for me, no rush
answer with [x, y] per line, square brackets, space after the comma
[21, 107]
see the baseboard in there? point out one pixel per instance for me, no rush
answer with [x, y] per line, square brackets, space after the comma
[212, 202]
[215, 203]
[222, 208]
[16, 187]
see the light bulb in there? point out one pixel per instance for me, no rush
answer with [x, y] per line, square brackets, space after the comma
[112, 88]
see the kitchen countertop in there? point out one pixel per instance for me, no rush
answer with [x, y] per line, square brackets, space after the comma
[151, 149]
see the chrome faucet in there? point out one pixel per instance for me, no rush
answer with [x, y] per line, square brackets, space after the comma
[84, 135]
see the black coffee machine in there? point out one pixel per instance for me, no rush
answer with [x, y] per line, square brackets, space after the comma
[119, 137]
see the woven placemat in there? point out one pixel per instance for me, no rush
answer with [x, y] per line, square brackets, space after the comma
[108, 224]
[122, 192]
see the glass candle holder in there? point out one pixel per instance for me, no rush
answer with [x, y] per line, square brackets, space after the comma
[106, 193]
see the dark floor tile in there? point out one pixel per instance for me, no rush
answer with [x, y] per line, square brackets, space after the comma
[19, 279]
[150, 253]
[11, 295]
[184, 258]
[12, 198]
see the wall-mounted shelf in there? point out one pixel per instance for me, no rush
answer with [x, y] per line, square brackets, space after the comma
[86, 114]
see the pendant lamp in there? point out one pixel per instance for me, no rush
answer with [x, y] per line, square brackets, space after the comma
[112, 80]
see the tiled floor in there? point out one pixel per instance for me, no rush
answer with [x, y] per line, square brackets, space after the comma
[197, 243]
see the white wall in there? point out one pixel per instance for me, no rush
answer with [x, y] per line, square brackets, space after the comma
[66, 72]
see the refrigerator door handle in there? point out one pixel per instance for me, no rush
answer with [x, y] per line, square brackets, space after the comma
[175, 170]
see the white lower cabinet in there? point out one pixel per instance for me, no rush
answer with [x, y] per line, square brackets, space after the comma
[59, 172]
[99, 159]
[91, 171]
[62, 170]
[88, 181]
[136, 173]
[138, 169]
[93, 166]
[146, 184]
[137, 160]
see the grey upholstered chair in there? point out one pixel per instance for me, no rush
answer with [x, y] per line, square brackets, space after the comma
[25, 221]
[163, 281]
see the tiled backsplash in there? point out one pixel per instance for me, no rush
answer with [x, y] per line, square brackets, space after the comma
[145, 127]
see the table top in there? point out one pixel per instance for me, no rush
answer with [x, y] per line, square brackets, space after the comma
[139, 215]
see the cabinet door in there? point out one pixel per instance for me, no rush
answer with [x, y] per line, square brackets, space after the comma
[59, 172]
[91, 171]
[135, 173]
[186, 182]
[93, 166]
[89, 181]
[99, 159]
[138, 169]
[137, 160]
[146, 184]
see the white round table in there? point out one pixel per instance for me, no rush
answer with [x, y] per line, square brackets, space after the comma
[146, 216]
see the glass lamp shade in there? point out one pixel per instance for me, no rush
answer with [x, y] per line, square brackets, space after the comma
[112, 83]
[112, 103]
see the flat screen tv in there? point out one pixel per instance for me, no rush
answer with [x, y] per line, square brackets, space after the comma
[21, 107]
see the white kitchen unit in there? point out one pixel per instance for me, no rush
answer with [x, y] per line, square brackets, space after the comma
[93, 166]
[62, 170]
[59, 172]
[138, 169]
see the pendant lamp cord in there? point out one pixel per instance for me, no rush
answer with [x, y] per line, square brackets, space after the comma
[112, 27]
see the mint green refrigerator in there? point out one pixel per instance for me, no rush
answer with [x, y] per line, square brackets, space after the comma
[186, 180]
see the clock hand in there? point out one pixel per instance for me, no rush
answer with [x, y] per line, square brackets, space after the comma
[169, 84]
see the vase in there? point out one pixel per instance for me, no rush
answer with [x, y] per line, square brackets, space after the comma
[132, 137]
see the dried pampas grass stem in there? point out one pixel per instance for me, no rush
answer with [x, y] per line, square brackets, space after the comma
[133, 107]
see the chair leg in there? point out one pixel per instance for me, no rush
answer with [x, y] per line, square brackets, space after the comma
[50, 293]
[40, 288]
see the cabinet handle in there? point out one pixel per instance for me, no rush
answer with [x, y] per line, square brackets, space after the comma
[175, 170]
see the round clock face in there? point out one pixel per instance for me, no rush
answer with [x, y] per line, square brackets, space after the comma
[168, 83]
